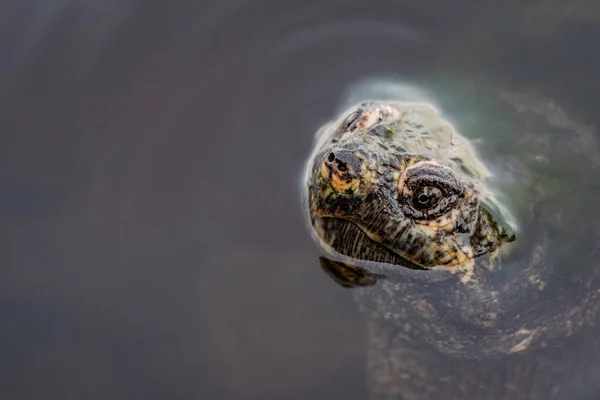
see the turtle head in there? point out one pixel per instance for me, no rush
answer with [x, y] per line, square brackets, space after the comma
[369, 200]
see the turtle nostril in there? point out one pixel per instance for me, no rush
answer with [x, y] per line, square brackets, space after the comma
[341, 166]
[343, 162]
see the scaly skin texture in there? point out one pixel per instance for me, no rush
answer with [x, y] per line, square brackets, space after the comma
[461, 323]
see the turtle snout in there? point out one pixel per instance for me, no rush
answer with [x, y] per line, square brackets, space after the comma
[343, 167]
[343, 163]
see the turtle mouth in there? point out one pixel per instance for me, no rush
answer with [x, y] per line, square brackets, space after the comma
[349, 239]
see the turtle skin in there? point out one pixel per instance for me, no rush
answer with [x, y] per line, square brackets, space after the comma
[456, 309]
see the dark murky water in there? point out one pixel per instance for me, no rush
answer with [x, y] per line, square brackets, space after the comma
[153, 244]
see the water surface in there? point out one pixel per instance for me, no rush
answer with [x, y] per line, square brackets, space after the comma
[153, 244]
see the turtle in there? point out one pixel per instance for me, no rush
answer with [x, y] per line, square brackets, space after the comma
[463, 299]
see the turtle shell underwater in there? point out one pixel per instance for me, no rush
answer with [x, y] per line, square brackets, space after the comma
[398, 200]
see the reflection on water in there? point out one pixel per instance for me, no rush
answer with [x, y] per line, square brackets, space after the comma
[153, 243]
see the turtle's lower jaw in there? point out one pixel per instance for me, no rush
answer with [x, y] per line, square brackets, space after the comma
[348, 239]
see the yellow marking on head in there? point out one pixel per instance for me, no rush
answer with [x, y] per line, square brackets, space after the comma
[429, 230]
[366, 168]
[326, 191]
[324, 171]
[445, 222]
[340, 185]
[404, 166]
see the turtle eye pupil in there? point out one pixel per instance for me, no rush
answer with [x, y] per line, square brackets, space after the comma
[426, 197]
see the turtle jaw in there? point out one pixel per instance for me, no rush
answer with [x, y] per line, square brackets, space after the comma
[345, 237]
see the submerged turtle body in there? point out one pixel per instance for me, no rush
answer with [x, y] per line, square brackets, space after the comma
[399, 201]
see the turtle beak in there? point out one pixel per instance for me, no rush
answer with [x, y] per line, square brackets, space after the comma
[343, 167]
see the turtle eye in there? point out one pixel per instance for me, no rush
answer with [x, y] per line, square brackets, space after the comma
[429, 190]
[426, 197]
